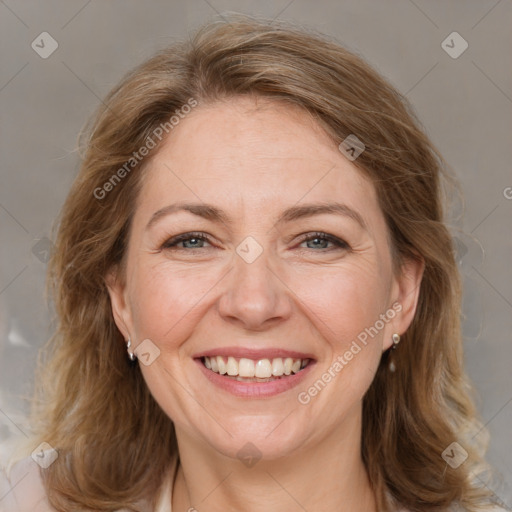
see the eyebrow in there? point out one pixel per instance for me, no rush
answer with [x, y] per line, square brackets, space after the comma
[214, 214]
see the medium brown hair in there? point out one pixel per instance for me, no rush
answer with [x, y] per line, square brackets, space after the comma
[113, 439]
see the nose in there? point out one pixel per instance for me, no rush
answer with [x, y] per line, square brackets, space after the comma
[255, 296]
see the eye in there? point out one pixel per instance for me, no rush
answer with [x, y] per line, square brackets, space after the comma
[194, 240]
[320, 240]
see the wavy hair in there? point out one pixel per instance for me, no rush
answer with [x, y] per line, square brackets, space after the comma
[113, 439]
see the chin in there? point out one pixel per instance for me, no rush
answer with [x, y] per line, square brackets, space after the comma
[259, 437]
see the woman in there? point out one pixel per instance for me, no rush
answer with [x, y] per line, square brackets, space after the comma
[258, 304]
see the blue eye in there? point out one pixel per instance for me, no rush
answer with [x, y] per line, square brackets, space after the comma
[196, 241]
[322, 239]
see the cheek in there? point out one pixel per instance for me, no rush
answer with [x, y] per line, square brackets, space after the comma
[166, 301]
[345, 309]
[343, 301]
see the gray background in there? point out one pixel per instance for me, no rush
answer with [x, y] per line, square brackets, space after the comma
[465, 104]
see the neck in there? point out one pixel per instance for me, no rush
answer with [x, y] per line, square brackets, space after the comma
[327, 476]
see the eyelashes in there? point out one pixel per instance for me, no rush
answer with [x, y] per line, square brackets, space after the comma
[172, 242]
[325, 237]
[197, 240]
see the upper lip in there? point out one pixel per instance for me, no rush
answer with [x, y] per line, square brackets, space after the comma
[251, 353]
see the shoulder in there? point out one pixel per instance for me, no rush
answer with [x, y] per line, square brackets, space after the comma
[21, 488]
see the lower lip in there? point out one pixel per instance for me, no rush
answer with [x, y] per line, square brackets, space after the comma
[255, 389]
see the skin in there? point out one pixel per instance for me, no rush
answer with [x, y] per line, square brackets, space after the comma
[254, 158]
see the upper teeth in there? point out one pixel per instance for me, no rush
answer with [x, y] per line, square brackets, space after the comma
[262, 368]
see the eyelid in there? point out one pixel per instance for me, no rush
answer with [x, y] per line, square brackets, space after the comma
[174, 240]
[339, 243]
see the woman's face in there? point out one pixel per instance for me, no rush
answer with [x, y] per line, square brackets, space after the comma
[295, 264]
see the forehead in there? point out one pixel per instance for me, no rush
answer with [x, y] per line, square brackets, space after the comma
[252, 152]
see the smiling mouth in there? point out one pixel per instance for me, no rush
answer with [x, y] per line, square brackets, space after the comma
[250, 370]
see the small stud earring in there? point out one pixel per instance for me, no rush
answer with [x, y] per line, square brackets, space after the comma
[131, 355]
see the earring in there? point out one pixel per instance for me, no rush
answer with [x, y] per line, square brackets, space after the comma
[396, 341]
[131, 355]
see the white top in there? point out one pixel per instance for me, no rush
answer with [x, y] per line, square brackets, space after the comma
[21, 490]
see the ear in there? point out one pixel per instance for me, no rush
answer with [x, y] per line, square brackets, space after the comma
[120, 306]
[405, 294]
